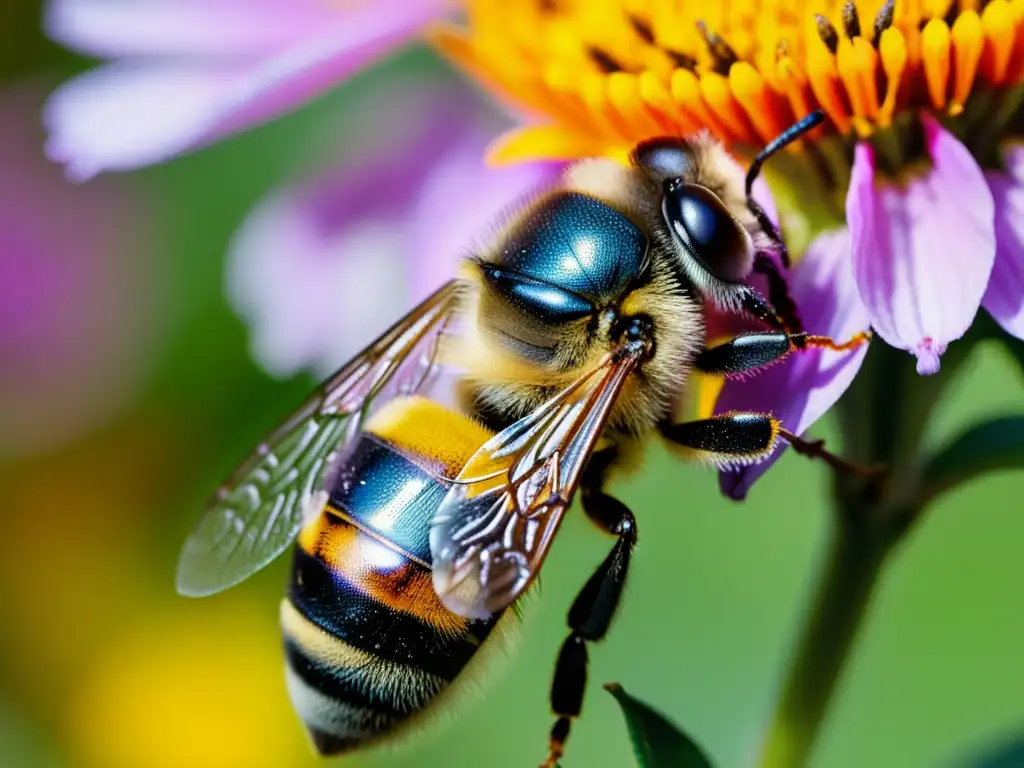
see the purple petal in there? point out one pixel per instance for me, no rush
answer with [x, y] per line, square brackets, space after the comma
[459, 206]
[325, 265]
[311, 300]
[136, 113]
[221, 28]
[1004, 298]
[805, 385]
[125, 115]
[77, 291]
[922, 251]
[762, 194]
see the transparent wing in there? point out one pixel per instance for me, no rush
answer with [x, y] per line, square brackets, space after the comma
[494, 527]
[258, 511]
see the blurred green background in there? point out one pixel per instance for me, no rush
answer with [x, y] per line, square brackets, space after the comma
[102, 664]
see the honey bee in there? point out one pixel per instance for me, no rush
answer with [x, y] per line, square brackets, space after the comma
[419, 524]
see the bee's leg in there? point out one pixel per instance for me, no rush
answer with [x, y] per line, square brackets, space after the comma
[778, 294]
[594, 607]
[754, 304]
[791, 134]
[738, 437]
[769, 229]
[778, 310]
[757, 350]
[746, 437]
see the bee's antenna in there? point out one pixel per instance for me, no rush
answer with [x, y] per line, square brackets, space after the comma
[785, 138]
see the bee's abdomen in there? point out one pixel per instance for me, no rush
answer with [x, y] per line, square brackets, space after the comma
[368, 642]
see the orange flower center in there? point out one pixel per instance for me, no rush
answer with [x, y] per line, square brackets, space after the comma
[601, 75]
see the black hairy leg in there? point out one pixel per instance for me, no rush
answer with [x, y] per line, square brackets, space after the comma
[594, 608]
[778, 294]
[788, 136]
[728, 439]
[738, 438]
[751, 351]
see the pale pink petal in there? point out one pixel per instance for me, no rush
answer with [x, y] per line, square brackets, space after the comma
[923, 251]
[125, 115]
[219, 28]
[1004, 298]
[312, 299]
[460, 206]
[79, 291]
[801, 388]
[323, 266]
[309, 68]
[763, 195]
[136, 113]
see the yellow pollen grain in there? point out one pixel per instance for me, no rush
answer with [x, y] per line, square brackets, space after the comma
[935, 51]
[968, 41]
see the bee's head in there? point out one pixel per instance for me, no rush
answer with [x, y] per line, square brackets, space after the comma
[701, 187]
[553, 283]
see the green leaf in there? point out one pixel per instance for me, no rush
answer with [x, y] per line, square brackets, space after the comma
[1009, 755]
[984, 327]
[657, 743]
[991, 445]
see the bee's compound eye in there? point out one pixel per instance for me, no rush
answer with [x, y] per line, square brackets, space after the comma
[543, 301]
[706, 228]
[665, 158]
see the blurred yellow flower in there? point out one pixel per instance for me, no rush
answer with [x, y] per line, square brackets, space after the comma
[74, 551]
[198, 687]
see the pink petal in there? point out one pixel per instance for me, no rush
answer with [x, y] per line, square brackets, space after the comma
[323, 266]
[763, 195]
[1004, 298]
[124, 116]
[132, 114]
[110, 28]
[79, 291]
[461, 182]
[923, 252]
[312, 300]
[799, 390]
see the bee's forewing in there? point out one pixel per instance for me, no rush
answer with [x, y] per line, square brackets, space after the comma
[494, 527]
[256, 514]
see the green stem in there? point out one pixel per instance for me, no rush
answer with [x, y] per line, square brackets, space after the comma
[840, 605]
[882, 419]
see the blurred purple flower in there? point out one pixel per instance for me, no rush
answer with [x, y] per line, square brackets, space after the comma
[322, 266]
[76, 299]
[185, 73]
[800, 389]
[923, 250]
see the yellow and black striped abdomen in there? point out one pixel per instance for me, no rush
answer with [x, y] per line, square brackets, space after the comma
[367, 641]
